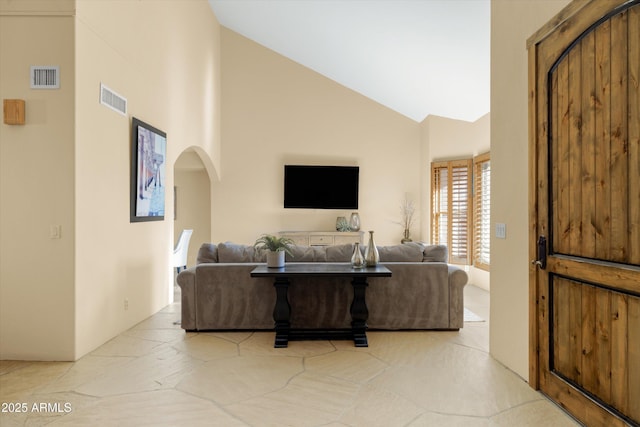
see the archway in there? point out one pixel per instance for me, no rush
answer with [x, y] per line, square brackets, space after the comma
[192, 200]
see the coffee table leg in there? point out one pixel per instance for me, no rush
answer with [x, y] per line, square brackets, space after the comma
[282, 313]
[359, 312]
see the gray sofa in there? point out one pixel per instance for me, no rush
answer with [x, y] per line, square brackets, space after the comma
[424, 292]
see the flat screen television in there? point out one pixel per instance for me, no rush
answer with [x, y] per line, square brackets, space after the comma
[321, 187]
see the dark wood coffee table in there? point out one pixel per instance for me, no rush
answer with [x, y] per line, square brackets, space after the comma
[282, 309]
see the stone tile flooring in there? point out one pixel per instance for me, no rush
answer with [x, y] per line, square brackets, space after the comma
[156, 374]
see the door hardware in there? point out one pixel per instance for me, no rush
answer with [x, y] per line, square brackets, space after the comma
[542, 253]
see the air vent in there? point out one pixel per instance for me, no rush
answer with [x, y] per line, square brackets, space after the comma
[112, 100]
[45, 77]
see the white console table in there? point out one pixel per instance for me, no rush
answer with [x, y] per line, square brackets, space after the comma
[323, 238]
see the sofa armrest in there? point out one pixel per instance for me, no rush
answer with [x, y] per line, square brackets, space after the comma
[457, 276]
[187, 283]
[457, 279]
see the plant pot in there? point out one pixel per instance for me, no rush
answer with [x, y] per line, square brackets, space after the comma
[275, 259]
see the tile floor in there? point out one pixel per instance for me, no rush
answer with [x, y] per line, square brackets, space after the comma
[154, 374]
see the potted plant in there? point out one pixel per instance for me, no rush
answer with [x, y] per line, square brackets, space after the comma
[277, 247]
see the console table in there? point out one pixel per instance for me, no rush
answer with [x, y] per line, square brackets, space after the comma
[358, 309]
[323, 238]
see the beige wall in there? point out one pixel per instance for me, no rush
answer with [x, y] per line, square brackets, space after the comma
[166, 72]
[70, 164]
[449, 139]
[456, 139]
[512, 22]
[36, 188]
[277, 112]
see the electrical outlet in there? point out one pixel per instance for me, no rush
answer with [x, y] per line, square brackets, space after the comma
[126, 304]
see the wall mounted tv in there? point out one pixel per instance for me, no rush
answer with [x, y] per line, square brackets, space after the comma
[321, 187]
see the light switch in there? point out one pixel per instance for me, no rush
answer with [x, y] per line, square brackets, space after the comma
[501, 231]
[55, 231]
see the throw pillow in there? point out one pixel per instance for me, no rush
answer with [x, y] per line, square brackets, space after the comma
[207, 253]
[307, 254]
[435, 253]
[339, 253]
[406, 252]
[233, 253]
[259, 255]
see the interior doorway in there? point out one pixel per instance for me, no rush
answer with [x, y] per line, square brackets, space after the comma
[192, 202]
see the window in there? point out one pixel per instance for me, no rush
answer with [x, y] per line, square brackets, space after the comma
[451, 208]
[460, 218]
[481, 211]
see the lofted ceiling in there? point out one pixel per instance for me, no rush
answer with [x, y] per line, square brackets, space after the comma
[416, 57]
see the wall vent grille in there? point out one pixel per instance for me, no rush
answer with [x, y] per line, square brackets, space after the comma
[45, 77]
[112, 100]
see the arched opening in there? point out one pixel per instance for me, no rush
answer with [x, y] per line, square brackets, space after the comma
[192, 201]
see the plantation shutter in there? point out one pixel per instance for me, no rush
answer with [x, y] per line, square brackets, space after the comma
[482, 211]
[439, 204]
[451, 214]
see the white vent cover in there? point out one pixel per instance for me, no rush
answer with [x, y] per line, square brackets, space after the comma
[112, 100]
[45, 77]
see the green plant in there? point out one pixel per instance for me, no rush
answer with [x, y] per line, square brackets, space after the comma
[274, 243]
[343, 225]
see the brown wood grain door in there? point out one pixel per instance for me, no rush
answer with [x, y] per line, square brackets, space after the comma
[584, 71]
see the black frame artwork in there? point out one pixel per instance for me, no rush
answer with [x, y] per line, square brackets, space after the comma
[148, 167]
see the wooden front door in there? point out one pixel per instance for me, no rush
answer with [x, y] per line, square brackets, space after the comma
[584, 71]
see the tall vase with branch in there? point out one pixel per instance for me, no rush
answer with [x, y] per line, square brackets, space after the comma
[407, 211]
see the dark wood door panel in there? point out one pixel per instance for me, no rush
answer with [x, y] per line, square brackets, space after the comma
[594, 349]
[594, 144]
[585, 198]
[623, 277]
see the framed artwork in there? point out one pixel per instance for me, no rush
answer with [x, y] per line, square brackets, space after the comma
[148, 166]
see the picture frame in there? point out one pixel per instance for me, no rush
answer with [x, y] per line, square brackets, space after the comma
[148, 172]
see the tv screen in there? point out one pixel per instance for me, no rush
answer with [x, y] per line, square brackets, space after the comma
[321, 187]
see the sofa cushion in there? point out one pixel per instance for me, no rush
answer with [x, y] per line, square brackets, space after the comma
[406, 252]
[307, 254]
[339, 253]
[208, 252]
[233, 253]
[435, 253]
[260, 255]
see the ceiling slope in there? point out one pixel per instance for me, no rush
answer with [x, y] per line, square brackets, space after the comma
[417, 57]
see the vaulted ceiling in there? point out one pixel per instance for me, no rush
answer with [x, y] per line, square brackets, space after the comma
[417, 57]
